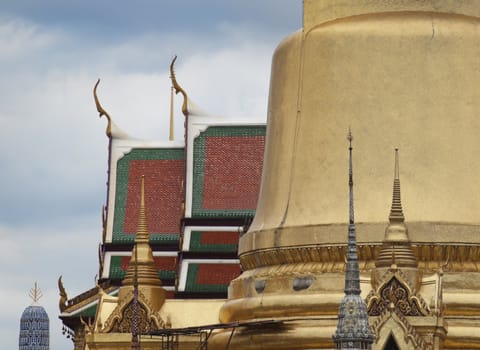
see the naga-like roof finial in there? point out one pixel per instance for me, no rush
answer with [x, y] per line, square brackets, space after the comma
[178, 88]
[62, 303]
[101, 111]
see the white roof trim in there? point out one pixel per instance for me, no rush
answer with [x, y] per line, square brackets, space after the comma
[109, 255]
[182, 281]
[187, 233]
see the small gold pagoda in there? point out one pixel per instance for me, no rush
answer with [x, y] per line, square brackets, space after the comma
[120, 319]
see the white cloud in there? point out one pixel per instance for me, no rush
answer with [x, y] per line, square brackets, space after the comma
[20, 38]
[54, 148]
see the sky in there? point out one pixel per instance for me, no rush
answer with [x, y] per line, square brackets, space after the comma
[54, 150]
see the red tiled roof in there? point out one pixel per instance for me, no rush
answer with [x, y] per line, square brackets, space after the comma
[163, 195]
[217, 273]
[233, 169]
[162, 263]
[217, 237]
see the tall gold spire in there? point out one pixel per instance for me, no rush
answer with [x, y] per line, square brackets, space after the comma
[396, 212]
[396, 249]
[142, 258]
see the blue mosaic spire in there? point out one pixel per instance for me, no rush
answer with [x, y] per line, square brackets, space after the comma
[34, 325]
[353, 331]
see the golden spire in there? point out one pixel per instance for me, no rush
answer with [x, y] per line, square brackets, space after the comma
[396, 230]
[396, 212]
[35, 293]
[142, 267]
[101, 111]
[396, 248]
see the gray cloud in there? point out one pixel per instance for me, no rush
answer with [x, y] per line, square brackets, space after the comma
[113, 20]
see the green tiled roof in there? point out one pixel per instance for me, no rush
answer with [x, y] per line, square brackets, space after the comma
[90, 311]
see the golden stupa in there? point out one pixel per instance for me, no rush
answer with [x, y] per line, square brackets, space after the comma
[401, 74]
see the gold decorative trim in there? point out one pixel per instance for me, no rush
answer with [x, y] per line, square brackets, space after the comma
[329, 256]
[120, 321]
[431, 257]
[410, 334]
[88, 325]
[396, 293]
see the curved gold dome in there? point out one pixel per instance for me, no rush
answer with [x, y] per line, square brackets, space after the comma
[407, 91]
[400, 74]
[405, 79]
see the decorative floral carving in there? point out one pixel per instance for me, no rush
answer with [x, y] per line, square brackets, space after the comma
[330, 258]
[121, 320]
[396, 294]
[125, 324]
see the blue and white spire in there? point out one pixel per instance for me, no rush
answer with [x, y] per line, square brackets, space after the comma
[34, 325]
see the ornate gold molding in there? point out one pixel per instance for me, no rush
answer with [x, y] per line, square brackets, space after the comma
[409, 332]
[396, 293]
[121, 319]
[330, 256]
[431, 257]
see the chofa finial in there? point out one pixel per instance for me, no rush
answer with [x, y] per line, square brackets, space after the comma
[101, 111]
[178, 88]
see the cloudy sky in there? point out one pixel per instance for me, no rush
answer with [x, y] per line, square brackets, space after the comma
[54, 149]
